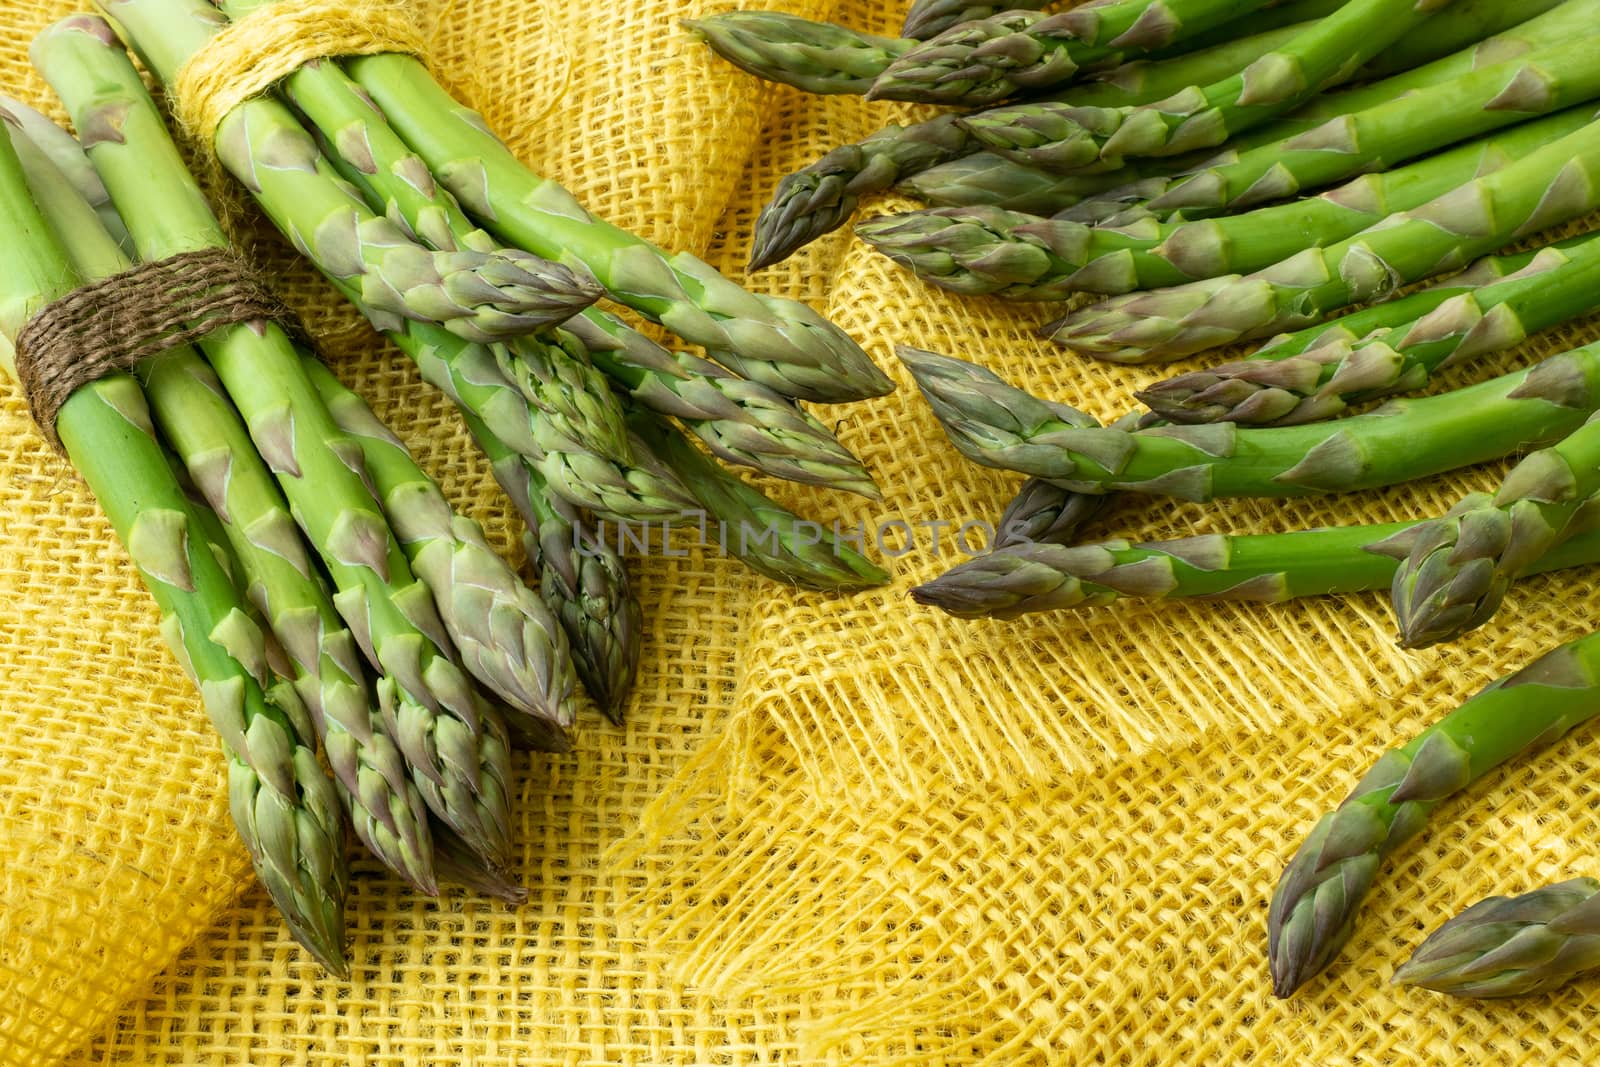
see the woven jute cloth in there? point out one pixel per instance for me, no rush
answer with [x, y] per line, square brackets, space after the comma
[832, 831]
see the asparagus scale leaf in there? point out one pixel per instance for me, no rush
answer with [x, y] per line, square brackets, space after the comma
[505, 635]
[582, 577]
[820, 198]
[1015, 51]
[1339, 134]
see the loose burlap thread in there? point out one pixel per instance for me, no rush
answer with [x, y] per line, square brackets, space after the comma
[833, 830]
[114, 323]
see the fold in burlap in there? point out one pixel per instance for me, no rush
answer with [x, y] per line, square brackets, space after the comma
[833, 830]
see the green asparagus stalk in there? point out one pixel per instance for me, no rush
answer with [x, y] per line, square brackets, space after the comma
[821, 197]
[818, 57]
[1022, 578]
[926, 19]
[284, 807]
[506, 636]
[582, 578]
[1558, 182]
[996, 425]
[66, 155]
[454, 745]
[1315, 903]
[1535, 942]
[990, 180]
[1557, 284]
[742, 420]
[197, 420]
[988, 251]
[1330, 52]
[780, 343]
[766, 536]
[1342, 134]
[1462, 565]
[1017, 51]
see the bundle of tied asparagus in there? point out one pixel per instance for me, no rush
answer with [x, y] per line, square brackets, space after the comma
[315, 582]
[1223, 172]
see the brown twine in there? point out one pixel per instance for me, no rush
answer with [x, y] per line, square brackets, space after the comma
[112, 324]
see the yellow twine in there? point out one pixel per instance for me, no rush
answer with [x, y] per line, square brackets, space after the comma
[269, 44]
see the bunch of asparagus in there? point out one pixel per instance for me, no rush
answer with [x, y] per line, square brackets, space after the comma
[1230, 171]
[318, 586]
[486, 276]
[313, 581]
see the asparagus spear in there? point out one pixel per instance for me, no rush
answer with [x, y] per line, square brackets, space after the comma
[1344, 368]
[821, 197]
[742, 420]
[988, 179]
[506, 636]
[1015, 51]
[66, 155]
[1385, 122]
[818, 57]
[780, 343]
[1404, 128]
[1314, 906]
[1328, 53]
[766, 536]
[284, 807]
[197, 420]
[926, 19]
[1547, 187]
[454, 744]
[990, 251]
[582, 577]
[1462, 565]
[998, 426]
[1535, 942]
[1022, 578]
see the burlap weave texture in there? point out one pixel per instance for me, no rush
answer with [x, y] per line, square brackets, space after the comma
[832, 830]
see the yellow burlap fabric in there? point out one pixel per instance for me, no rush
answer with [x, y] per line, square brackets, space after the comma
[832, 831]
